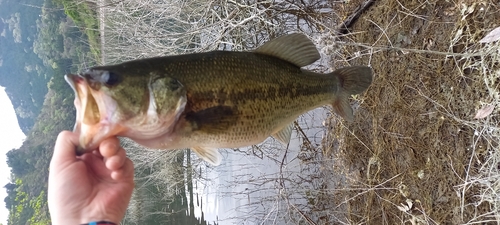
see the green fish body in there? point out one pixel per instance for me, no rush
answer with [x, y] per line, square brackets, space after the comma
[206, 101]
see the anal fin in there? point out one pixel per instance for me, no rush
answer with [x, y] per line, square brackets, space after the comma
[211, 155]
[284, 134]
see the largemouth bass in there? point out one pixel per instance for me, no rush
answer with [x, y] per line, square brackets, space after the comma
[206, 101]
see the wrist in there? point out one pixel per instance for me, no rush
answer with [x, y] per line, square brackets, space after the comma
[84, 216]
[102, 222]
[65, 220]
[92, 222]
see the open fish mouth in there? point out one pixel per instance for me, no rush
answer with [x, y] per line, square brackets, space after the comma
[93, 113]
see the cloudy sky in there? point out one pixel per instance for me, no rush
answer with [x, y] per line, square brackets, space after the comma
[11, 137]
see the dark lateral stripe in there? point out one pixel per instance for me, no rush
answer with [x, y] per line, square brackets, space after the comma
[215, 119]
[267, 94]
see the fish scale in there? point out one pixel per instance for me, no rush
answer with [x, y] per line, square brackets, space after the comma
[212, 100]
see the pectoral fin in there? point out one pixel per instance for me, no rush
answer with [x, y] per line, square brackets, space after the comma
[284, 134]
[211, 155]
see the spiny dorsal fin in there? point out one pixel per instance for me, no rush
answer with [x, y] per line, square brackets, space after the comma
[294, 48]
[211, 155]
[284, 134]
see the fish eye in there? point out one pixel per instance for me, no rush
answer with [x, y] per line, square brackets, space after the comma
[110, 78]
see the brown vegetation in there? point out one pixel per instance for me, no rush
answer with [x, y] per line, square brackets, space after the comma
[415, 150]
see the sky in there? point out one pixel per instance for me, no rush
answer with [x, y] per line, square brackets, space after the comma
[11, 137]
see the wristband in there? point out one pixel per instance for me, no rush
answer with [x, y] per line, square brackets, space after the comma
[99, 223]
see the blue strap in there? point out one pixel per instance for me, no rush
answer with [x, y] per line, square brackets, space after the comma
[99, 223]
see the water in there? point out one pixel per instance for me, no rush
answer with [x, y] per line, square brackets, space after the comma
[264, 184]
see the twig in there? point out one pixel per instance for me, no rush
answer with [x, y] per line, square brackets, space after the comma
[343, 28]
[309, 220]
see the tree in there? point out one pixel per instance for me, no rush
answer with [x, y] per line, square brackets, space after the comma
[17, 161]
[11, 193]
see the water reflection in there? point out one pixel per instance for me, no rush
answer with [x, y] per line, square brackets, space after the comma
[155, 202]
[263, 184]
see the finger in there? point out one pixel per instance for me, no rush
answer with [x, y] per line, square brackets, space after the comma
[97, 154]
[96, 163]
[126, 173]
[109, 147]
[65, 148]
[116, 161]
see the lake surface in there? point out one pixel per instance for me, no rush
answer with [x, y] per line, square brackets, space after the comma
[264, 184]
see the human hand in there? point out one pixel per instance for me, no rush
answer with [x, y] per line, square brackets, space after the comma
[93, 187]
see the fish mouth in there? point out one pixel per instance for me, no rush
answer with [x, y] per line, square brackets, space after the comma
[94, 112]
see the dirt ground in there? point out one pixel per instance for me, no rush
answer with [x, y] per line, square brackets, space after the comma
[415, 149]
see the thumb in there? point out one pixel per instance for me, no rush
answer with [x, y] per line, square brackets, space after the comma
[65, 148]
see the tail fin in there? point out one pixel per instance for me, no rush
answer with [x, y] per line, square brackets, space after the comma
[353, 80]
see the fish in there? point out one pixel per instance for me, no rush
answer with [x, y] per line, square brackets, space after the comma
[211, 100]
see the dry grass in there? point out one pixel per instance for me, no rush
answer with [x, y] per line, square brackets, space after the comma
[414, 139]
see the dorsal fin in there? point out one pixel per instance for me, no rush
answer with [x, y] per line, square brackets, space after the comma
[294, 48]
